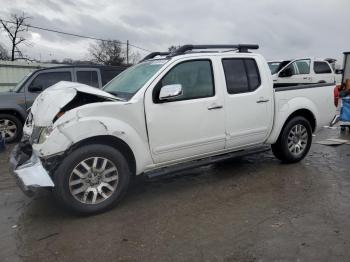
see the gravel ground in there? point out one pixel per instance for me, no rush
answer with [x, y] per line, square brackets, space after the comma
[248, 209]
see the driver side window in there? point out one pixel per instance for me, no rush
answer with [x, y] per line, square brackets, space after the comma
[44, 80]
[292, 67]
[195, 77]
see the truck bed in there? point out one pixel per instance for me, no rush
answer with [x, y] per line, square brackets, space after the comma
[317, 98]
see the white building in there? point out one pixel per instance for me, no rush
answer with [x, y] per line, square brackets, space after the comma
[11, 72]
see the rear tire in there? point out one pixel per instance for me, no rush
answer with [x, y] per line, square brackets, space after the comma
[294, 141]
[92, 179]
[11, 128]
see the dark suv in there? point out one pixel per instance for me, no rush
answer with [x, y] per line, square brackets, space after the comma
[14, 104]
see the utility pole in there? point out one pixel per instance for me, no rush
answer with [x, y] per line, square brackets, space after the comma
[127, 52]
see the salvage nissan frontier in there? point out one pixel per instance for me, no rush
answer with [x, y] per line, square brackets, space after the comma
[194, 106]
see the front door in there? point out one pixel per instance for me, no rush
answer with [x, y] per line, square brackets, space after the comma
[188, 125]
[300, 73]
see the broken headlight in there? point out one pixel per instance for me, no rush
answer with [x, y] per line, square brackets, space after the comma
[44, 134]
[29, 120]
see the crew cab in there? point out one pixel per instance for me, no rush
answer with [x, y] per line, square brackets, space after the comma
[171, 111]
[301, 71]
[15, 103]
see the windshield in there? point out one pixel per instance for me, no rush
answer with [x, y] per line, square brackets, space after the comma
[126, 84]
[274, 67]
[20, 83]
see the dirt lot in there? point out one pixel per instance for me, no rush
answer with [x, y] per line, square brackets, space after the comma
[249, 209]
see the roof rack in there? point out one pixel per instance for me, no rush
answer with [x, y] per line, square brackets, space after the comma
[154, 54]
[242, 48]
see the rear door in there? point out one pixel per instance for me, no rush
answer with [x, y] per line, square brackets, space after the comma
[44, 79]
[303, 75]
[88, 76]
[248, 102]
[323, 72]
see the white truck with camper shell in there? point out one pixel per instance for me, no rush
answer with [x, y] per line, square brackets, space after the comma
[171, 111]
[301, 71]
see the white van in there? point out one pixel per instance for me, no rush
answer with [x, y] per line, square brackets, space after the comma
[301, 71]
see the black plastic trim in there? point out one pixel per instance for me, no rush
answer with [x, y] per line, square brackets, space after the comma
[346, 54]
[204, 161]
[154, 54]
[242, 48]
[303, 86]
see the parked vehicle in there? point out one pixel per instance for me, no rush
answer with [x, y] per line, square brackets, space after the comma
[301, 71]
[14, 104]
[163, 115]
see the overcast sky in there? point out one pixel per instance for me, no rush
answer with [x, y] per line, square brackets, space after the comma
[283, 29]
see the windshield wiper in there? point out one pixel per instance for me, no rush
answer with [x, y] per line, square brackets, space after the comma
[116, 95]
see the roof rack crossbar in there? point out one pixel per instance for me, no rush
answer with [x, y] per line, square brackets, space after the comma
[242, 48]
[154, 54]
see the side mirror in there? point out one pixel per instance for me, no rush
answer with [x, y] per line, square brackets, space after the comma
[339, 71]
[170, 91]
[35, 88]
[286, 72]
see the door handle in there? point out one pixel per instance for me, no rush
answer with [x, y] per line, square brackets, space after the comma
[214, 107]
[263, 101]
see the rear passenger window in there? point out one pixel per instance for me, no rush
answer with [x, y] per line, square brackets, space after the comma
[303, 66]
[322, 68]
[88, 77]
[242, 75]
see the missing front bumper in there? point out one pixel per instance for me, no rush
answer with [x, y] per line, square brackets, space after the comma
[26, 166]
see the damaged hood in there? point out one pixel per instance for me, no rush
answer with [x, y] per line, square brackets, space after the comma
[53, 99]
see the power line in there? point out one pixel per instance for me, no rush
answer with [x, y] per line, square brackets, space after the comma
[75, 35]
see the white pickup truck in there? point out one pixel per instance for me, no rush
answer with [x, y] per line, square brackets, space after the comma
[301, 71]
[167, 113]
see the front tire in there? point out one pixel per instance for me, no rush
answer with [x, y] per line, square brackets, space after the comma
[92, 179]
[294, 141]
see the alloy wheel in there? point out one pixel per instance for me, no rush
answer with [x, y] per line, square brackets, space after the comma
[297, 139]
[93, 180]
[8, 129]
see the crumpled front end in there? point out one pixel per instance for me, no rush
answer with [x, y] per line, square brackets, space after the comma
[28, 169]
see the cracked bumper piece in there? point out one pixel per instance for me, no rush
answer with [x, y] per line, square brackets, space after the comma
[26, 166]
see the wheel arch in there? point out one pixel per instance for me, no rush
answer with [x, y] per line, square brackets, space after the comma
[15, 113]
[109, 140]
[304, 112]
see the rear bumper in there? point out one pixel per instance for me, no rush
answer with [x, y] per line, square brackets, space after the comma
[28, 170]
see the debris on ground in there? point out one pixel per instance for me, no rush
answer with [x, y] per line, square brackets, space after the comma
[333, 142]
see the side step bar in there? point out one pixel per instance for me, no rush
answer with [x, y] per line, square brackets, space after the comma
[205, 161]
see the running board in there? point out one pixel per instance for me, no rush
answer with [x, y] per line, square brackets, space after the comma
[205, 161]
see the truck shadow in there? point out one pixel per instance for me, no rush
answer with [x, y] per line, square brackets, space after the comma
[143, 190]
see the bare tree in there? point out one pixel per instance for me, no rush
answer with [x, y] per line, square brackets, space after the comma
[107, 53]
[14, 27]
[3, 53]
[134, 57]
